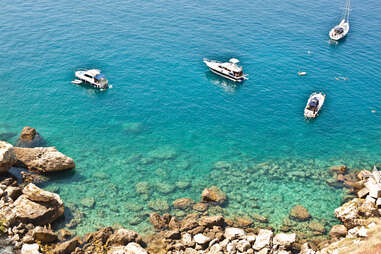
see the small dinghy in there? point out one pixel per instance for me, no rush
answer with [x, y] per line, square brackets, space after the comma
[229, 70]
[76, 81]
[342, 29]
[302, 73]
[314, 104]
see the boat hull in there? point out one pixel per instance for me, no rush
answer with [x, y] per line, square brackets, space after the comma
[226, 76]
[216, 68]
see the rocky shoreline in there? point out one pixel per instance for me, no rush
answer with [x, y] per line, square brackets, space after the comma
[27, 212]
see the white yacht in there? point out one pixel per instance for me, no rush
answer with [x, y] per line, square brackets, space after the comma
[92, 77]
[342, 29]
[314, 104]
[229, 70]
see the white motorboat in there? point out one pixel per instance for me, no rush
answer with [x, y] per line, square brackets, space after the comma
[314, 104]
[92, 77]
[342, 29]
[229, 70]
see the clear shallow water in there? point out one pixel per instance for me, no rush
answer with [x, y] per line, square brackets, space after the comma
[189, 119]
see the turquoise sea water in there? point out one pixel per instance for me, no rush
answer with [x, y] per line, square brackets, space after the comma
[167, 119]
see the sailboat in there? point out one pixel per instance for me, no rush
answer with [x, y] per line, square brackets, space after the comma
[342, 29]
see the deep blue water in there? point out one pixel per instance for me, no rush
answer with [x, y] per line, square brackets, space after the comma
[152, 53]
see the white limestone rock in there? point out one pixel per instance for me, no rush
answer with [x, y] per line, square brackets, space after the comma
[243, 245]
[7, 156]
[30, 249]
[201, 239]
[263, 239]
[134, 248]
[284, 240]
[234, 233]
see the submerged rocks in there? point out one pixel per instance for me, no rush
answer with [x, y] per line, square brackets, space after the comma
[213, 195]
[182, 184]
[222, 165]
[259, 218]
[299, 213]
[316, 227]
[143, 188]
[200, 207]
[43, 159]
[163, 153]
[29, 137]
[133, 128]
[165, 188]
[183, 203]
[158, 205]
[242, 221]
[7, 156]
[88, 202]
[339, 169]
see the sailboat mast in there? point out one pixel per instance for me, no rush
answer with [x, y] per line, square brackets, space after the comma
[347, 9]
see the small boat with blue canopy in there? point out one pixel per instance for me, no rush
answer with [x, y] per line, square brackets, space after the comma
[314, 104]
[92, 77]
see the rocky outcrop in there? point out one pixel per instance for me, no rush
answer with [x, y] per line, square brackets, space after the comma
[7, 156]
[35, 206]
[122, 237]
[29, 137]
[158, 222]
[338, 231]
[42, 159]
[67, 247]
[213, 195]
[348, 212]
[108, 240]
[210, 234]
[44, 235]
[284, 241]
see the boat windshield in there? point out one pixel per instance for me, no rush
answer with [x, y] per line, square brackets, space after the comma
[238, 74]
[339, 30]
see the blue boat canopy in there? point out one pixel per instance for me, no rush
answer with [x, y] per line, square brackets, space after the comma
[100, 76]
[314, 102]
